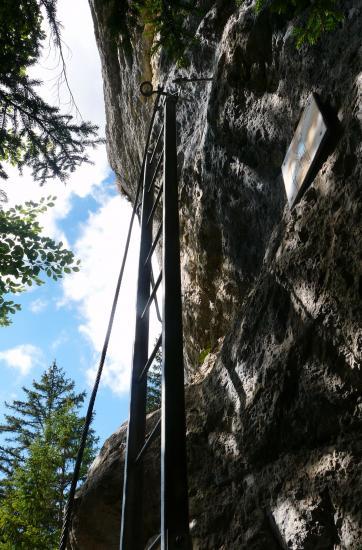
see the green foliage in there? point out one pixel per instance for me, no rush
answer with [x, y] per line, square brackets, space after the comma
[161, 19]
[321, 17]
[25, 253]
[169, 21]
[154, 382]
[203, 354]
[28, 517]
[20, 35]
[166, 21]
[38, 461]
[32, 132]
[316, 16]
[116, 16]
[36, 135]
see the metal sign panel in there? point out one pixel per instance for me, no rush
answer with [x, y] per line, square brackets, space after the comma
[303, 150]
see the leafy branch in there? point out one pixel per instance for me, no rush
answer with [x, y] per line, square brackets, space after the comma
[25, 253]
[166, 22]
[317, 16]
[32, 132]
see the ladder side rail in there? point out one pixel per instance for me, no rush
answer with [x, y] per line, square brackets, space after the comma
[174, 493]
[132, 506]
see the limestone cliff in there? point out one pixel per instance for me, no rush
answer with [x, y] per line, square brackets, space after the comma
[274, 412]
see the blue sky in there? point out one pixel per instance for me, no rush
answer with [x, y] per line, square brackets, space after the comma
[67, 321]
[49, 326]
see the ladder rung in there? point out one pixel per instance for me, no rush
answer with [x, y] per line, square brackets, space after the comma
[151, 358]
[155, 432]
[158, 235]
[154, 543]
[156, 301]
[153, 293]
[157, 143]
[155, 204]
[155, 173]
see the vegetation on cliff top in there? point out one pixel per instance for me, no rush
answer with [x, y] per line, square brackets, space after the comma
[168, 21]
[312, 17]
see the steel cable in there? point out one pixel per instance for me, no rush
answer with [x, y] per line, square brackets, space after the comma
[89, 415]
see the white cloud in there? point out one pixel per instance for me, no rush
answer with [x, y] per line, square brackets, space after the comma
[60, 340]
[38, 305]
[22, 358]
[116, 376]
[100, 247]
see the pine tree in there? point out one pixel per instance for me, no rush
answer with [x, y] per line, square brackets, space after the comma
[29, 517]
[154, 381]
[43, 432]
[32, 132]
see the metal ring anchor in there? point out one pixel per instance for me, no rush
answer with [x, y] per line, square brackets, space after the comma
[147, 90]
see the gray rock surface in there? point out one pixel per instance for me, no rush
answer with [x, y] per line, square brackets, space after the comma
[274, 412]
[98, 503]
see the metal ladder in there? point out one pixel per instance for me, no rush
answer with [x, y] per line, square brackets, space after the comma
[174, 529]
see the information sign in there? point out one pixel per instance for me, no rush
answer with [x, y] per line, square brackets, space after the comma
[304, 149]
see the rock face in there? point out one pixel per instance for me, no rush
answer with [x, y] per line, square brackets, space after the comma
[97, 513]
[274, 412]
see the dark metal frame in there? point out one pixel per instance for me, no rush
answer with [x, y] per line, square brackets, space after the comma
[174, 494]
[131, 535]
[174, 498]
